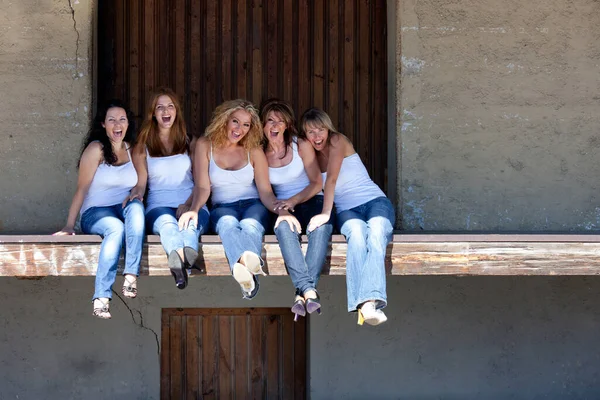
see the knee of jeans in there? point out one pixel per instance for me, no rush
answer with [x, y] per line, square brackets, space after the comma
[283, 228]
[354, 228]
[135, 204]
[252, 224]
[380, 227]
[164, 222]
[325, 229]
[115, 231]
[225, 223]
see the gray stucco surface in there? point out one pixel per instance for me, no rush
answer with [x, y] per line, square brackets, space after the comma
[497, 116]
[446, 338]
[46, 102]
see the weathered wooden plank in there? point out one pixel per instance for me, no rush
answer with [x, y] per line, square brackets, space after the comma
[225, 375]
[257, 357]
[210, 341]
[273, 354]
[192, 363]
[177, 371]
[241, 351]
[318, 54]
[398, 237]
[406, 256]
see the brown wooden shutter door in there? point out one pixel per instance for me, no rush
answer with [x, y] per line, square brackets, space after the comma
[323, 53]
[232, 354]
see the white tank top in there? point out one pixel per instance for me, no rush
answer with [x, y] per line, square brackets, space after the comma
[111, 185]
[291, 179]
[354, 186]
[170, 181]
[229, 186]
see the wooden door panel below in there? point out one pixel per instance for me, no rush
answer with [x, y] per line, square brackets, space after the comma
[232, 354]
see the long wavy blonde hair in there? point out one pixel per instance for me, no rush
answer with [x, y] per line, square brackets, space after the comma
[216, 131]
[148, 135]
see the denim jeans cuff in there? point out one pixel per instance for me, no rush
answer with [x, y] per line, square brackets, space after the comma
[105, 295]
[132, 271]
[379, 303]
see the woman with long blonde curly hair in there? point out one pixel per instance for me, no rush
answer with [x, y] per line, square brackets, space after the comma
[161, 158]
[229, 164]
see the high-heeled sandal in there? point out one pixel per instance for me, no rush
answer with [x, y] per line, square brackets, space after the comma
[101, 309]
[370, 314]
[253, 262]
[248, 282]
[313, 304]
[128, 289]
[298, 308]
[178, 270]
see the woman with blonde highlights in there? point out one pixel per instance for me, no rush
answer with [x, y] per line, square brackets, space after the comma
[164, 166]
[296, 179]
[229, 164]
[365, 216]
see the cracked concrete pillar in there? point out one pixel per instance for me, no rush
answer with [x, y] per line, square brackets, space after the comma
[46, 82]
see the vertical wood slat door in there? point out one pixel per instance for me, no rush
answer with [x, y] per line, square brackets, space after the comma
[232, 354]
[313, 53]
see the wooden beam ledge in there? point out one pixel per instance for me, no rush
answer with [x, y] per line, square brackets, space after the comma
[408, 254]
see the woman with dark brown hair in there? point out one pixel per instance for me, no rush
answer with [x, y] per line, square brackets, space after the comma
[106, 176]
[296, 179]
[164, 167]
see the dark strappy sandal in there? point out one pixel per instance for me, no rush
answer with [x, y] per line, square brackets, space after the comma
[102, 312]
[128, 289]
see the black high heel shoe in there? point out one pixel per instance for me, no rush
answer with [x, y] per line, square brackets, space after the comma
[178, 270]
[190, 256]
[313, 305]
[298, 308]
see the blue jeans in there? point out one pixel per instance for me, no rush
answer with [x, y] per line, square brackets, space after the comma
[305, 271]
[163, 222]
[368, 230]
[241, 226]
[117, 226]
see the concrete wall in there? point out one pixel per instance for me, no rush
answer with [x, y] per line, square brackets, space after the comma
[498, 114]
[45, 81]
[446, 338]
[497, 128]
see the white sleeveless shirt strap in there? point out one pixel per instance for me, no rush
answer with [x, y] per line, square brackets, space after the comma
[291, 179]
[230, 186]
